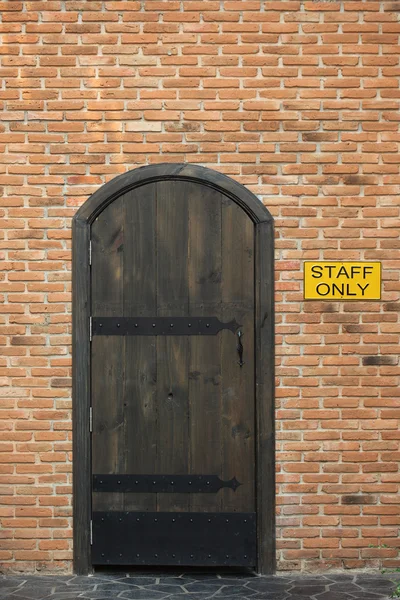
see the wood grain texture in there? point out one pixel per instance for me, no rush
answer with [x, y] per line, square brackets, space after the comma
[173, 171]
[178, 213]
[204, 269]
[81, 398]
[172, 352]
[108, 368]
[265, 407]
[238, 406]
[140, 404]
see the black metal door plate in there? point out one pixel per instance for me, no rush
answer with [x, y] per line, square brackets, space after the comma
[162, 483]
[150, 538]
[160, 325]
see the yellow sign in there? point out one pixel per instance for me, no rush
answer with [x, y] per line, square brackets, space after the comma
[342, 280]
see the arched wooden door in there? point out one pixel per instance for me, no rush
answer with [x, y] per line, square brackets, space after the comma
[176, 306]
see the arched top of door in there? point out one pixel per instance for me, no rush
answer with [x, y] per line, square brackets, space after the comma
[109, 192]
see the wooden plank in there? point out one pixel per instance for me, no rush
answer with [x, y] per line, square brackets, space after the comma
[265, 374]
[140, 408]
[178, 171]
[205, 368]
[81, 398]
[172, 352]
[264, 345]
[238, 404]
[108, 371]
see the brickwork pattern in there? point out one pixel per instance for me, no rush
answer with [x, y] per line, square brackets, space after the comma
[299, 101]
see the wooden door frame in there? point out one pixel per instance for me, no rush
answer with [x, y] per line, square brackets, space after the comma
[264, 349]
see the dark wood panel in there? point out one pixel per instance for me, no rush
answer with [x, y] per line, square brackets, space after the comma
[208, 178]
[108, 368]
[265, 377]
[238, 408]
[205, 264]
[208, 182]
[172, 352]
[81, 398]
[140, 405]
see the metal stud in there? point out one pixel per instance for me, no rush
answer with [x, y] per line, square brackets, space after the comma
[173, 556]
[100, 324]
[156, 556]
[118, 325]
[171, 325]
[154, 324]
[137, 555]
[102, 553]
[155, 520]
[136, 324]
[207, 324]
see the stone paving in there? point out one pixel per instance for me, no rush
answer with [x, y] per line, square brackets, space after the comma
[197, 585]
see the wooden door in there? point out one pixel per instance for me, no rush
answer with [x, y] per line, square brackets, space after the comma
[173, 374]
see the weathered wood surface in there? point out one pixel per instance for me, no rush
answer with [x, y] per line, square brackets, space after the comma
[265, 378]
[238, 406]
[81, 399]
[172, 352]
[205, 274]
[178, 246]
[140, 391]
[174, 405]
[108, 366]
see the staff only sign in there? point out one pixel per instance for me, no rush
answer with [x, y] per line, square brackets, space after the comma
[342, 280]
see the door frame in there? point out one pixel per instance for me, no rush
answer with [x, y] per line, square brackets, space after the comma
[264, 349]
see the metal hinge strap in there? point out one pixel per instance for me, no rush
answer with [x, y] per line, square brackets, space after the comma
[187, 484]
[90, 328]
[90, 419]
[91, 532]
[161, 325]
[90, 252]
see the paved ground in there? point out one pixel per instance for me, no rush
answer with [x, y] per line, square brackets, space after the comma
[198, 586]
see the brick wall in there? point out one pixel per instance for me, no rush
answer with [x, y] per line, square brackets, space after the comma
[300, 102]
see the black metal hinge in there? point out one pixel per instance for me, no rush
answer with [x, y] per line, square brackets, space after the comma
[160, 325]
[162, 483]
